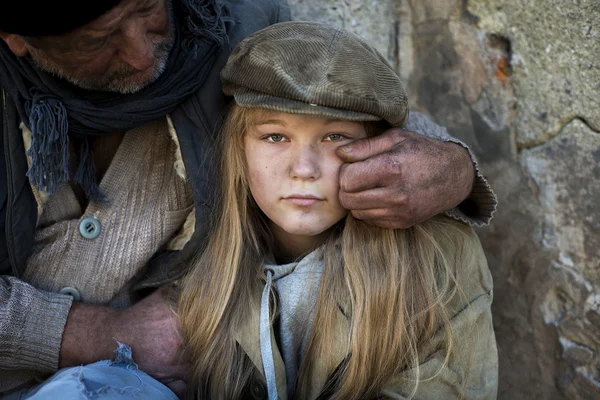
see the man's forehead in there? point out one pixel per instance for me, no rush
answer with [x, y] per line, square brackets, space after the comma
[113, 17]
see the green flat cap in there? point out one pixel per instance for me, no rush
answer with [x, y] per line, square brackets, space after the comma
[317, 69]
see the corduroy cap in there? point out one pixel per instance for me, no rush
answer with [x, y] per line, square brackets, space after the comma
[317, 69]
[50, 17]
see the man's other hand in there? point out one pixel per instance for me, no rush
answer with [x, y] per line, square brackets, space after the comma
[150, 328]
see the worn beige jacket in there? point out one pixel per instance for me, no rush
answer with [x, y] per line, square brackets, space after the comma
[471, 372]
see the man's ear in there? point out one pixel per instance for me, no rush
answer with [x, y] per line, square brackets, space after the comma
[15, 43]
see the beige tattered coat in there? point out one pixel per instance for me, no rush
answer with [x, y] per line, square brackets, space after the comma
[471, 371]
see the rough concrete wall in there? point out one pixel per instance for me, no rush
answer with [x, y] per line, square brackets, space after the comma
[518, 80]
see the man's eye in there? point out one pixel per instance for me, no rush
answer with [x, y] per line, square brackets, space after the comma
[93, 44]
[146, 10]
[334, 137]
[276, 137]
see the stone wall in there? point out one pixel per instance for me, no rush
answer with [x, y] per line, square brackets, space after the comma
[519, 81]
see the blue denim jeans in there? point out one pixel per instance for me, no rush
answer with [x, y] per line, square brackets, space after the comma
[103, 380]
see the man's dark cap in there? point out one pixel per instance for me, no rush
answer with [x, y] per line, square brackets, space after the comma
[50, 17]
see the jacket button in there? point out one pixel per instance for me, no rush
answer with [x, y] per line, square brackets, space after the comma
[71, 291]
[90, 228]
[258, 390]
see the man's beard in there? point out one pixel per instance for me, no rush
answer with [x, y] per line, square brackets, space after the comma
[117, 80]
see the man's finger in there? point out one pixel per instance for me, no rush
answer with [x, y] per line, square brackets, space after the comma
[382, 218]
[374, 215]
[375, 172]
[365, 148]
[370, 199]
[358, 177]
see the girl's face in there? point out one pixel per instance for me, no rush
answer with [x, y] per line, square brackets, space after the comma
[294, 174]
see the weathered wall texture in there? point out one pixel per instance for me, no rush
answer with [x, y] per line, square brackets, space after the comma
[519, 81]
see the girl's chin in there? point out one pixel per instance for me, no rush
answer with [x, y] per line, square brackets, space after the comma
[303, 229]
[317, 229]
[304, 233]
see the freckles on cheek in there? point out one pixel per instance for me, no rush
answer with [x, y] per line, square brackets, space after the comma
[270, 176]
[259, 174]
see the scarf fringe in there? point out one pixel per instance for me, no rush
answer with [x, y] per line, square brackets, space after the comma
[86, 173]
[205, 19]
[49, 149]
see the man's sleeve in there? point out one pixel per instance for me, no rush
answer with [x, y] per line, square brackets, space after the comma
[284, 11]
[31, 326]
[478, 208]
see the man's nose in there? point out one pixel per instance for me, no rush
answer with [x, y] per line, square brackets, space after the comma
[137, 48]
[305, 163]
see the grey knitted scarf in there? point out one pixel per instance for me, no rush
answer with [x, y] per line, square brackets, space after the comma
[57, 112]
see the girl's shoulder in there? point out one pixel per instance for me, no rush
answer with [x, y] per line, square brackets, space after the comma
[471, 275]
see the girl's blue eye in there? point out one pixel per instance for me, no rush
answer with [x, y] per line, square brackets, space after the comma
[334, 137]
[276, 137]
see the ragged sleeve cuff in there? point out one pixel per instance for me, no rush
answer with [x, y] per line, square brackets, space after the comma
[32, 323]
[478, 208]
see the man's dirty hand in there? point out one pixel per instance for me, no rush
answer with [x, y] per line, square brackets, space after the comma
[150, 328]
[401, 178]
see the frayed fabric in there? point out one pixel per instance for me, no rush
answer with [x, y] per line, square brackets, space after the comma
[123, 355]
[86, 173]
[205, 19]
[49, 149]
[120, 379]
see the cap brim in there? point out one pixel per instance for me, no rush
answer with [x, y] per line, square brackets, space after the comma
[261, 100]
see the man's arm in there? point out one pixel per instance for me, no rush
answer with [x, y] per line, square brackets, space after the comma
[42, 331]
[31, 326]
[401, 178]
[284, 13]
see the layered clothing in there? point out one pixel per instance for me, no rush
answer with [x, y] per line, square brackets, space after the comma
[32, 313]
[277, 351]
[32, 320]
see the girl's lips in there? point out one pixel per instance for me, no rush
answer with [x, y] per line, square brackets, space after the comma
[302, 200]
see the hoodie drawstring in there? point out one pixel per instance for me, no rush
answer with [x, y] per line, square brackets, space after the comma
[265, 338]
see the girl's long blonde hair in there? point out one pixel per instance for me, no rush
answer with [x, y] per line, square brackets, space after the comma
[392, 285]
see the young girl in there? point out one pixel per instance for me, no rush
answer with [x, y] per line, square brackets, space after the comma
[293, 297]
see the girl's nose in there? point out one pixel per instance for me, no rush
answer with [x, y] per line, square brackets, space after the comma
[305, 164]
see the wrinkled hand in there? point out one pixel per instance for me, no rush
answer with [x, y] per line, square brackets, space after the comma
[401, 178]
[151, 329]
